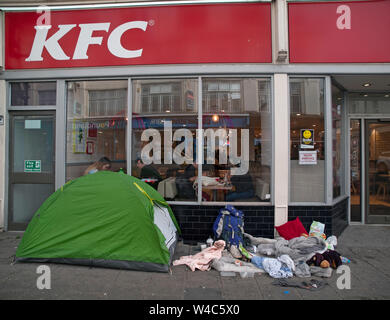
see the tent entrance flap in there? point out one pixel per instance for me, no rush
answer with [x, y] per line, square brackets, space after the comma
[163, 221]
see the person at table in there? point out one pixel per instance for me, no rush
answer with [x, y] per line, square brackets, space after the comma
[102, 164]
[185, 182]
[147, 171]
[243, 188]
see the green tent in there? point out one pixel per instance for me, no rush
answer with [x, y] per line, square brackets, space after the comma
[105, 219]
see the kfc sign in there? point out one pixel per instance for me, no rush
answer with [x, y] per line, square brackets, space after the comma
[228, 33]
[84, 40]
[339, 32]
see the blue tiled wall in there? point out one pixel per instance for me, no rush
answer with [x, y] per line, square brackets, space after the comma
[196, 221]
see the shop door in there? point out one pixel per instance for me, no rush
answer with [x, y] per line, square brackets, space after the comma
[31, 165]
[356, 170]
[377, 171]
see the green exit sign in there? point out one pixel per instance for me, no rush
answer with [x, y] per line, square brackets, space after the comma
[32, 165]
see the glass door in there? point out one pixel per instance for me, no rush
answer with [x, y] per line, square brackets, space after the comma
[378, 171]
[355, 174]
[31, 164]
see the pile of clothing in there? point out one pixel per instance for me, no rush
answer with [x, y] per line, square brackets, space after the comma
[295, 252]
[310, 255]
[301, 256]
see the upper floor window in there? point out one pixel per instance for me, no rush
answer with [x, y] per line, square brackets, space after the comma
[222, 96]
[33, 93]
[107, 102]
[161, 97]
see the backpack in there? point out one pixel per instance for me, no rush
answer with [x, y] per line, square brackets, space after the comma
[229, 226]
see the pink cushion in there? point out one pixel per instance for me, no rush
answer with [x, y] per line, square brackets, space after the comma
[291, 229]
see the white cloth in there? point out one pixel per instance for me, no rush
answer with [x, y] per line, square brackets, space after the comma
[284, 258]
[275, 268]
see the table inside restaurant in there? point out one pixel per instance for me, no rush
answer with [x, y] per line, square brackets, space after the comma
[221, 189]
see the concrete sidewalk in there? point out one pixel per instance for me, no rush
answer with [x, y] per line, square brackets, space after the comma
[368, 248]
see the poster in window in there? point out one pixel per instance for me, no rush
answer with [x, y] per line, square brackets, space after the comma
[307, 138]
[79, 136]
[307, 157]
[92, 130]
[90, 147]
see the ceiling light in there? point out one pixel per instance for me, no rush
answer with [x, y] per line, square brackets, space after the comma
[365, 95]
[298, 114]
[386, 95]
[167, 110]
[215, 118]
[366, 84]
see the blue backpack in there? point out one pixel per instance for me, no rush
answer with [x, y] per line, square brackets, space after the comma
[229, 226]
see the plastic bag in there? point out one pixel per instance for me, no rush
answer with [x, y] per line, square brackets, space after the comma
[331, 242]
[317, 230]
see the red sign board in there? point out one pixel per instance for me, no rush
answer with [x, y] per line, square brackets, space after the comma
[333, 32]
[228, 33]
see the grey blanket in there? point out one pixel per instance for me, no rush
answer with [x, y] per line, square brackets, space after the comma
[299, 249]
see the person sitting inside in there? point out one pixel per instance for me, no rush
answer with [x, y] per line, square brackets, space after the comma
[185, 182]
[149, 172]
[101, 165]
[243, 185]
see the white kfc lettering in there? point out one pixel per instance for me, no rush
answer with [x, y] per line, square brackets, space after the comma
[84, 40]
[114, 40]
[51, 44]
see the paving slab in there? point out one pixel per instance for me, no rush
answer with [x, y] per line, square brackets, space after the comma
[202, 293]
[231, 288]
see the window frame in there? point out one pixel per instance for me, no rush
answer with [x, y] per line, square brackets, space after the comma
[62, 110]
[328, 166]
[9, 105]
[200, 141]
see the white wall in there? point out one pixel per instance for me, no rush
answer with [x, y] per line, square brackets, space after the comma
[281, 143]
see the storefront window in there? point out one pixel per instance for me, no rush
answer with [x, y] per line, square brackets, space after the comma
[33, 93]
[237, 126]
[164, 143]
[307, 139]
[236, 133]
[337, 105]
[96, 126]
